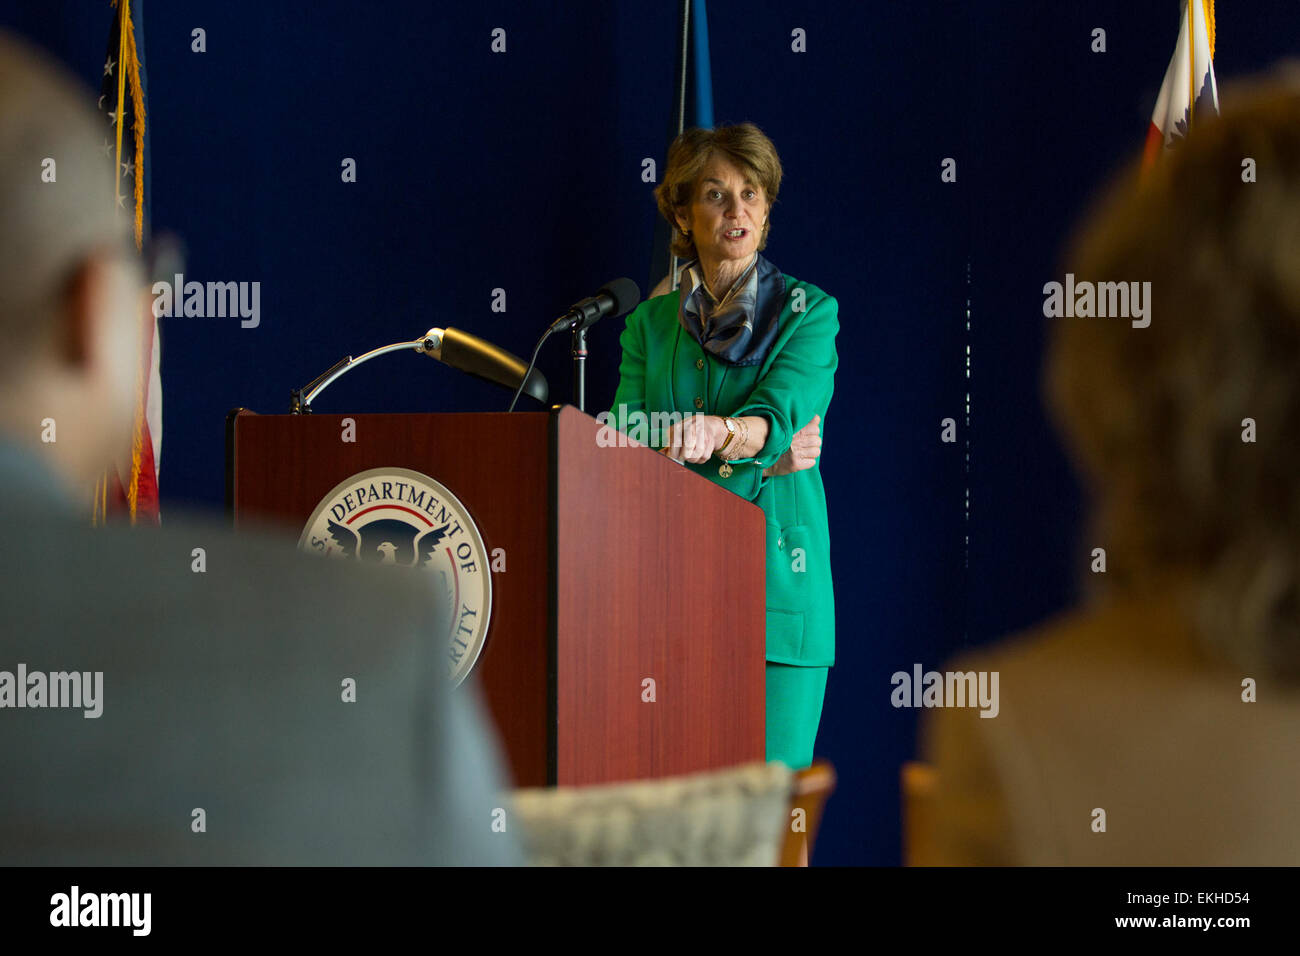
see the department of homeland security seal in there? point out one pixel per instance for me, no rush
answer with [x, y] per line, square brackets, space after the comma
[397, 516]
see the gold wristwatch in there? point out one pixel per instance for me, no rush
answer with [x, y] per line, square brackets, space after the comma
[731, 433]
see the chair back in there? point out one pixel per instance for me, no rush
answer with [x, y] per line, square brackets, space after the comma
[809, 792]
[918, 782]
[733, 817]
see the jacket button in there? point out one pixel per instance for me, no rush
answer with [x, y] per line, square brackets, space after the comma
[699, 363]
[699, 402]
[780, 544]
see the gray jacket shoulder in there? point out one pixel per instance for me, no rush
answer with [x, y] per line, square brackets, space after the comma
[299, 703]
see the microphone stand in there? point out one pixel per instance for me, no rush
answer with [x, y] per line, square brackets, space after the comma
[579, 349]
[616, 297]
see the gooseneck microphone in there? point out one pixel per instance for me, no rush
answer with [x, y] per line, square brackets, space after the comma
[482, 359]
[452, 347]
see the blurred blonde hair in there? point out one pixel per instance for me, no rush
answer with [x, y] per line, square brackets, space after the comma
[1155, 415]
[744, 144]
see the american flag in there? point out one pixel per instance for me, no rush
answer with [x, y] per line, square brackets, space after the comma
[122, 104]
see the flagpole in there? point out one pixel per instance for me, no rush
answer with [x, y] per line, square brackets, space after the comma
[1191, 73]
[681, 126]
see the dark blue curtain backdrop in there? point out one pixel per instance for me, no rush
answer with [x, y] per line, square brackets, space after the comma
[522, 172]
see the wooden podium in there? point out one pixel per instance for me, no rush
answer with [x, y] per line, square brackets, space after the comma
[621, 567]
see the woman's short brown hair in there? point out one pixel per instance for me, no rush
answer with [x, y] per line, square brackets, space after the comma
[744, 144]
[1158, 415]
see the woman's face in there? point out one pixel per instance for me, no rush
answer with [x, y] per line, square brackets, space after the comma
[726, 216]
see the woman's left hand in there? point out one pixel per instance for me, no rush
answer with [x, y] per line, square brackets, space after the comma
[803, 452]
[695, 438]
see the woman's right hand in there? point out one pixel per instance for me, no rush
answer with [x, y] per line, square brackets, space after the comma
[805, 448]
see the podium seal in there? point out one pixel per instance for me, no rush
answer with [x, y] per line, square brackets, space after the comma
[401, 517]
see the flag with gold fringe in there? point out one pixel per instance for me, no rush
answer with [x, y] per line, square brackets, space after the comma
[1189, 87]
[122, 103]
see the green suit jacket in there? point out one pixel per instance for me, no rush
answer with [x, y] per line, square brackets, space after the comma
[665, 370]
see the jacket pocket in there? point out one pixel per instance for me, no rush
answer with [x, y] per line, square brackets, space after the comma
[791, 554]
[784, 635]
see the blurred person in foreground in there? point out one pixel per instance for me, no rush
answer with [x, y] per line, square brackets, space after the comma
[155, 710]
[1168, 706]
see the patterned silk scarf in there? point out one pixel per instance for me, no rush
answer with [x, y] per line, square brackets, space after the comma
[742, 328]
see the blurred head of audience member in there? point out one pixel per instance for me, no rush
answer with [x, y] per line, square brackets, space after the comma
[72, 298]
[217, 684]
[1128, 730]
[1186, 430]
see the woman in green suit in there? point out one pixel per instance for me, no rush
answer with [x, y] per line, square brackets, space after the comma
[746, 354]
